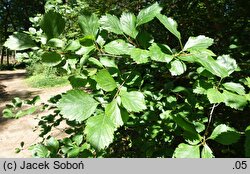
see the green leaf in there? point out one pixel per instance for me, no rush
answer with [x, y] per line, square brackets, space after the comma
[206, 152]
[51, 58]
[128, 24]
[148, 14]
[85, 50]
[108, 62]
[139, 56]
[73, 45]
[100, 131]
[199, 42]
[112, 110]
[19, 41]
[211, 65]
[52, 24]
[247, 142]
[74, 152]
[234, 101]
[133, 101]
[105, 80]
[118, 47]
[228, 63]
[214, 96]
[187, 151]
[157, 54]
[170, 24]
[78, 139]
[77, 105]
[184, 123]
[89, 25]
[78, 81]
[177, 68]
[235, 87]
[111, 23]
[52, 144]
[40, 151]
[225, 135]
[54, 42]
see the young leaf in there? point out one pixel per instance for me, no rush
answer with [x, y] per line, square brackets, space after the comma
[207, 152]
[100, 131]
[52, 24]
[234, 101]
[139, 55]
[128, 24]
[133, 101]
[111, 23]
[77, 105]
[200, 42]
[170, 24]
[148, 14]
[177, 68]
[89, 25]
[118, 47]
[105, 80]
[187, 151]
[158, 55]
[225, 135]
[112, 110]
[51, 58]
[19, 41]
[214, 96]
[235, 87]
[247, 142]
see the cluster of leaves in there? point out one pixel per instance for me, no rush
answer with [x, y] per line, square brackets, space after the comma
[132, 96]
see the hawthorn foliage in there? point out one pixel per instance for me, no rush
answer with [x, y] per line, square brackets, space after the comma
[132, 96]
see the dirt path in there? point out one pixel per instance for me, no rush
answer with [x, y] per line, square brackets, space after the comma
[13, 131]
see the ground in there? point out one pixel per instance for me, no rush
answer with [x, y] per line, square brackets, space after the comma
[14, 131]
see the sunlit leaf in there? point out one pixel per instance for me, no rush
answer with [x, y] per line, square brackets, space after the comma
[89, 25]
[111, 23]
[19, 41]
[148, 14]
[235, 87]
[199, 42]
[187, 151]
[128, 24]
[157, 54]
[170, 24]
[225, 135]
[139, 55]
[177, 67]
[133, 101]
[77, 105]
[118, 47]
[206, 152]
[99, 131]
[105, 80]
[112, 110]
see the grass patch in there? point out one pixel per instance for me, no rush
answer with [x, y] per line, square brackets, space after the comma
[42, 81]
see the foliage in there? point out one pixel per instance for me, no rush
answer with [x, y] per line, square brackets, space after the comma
[133, 96]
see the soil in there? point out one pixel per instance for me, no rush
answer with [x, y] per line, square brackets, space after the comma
[14, 131]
